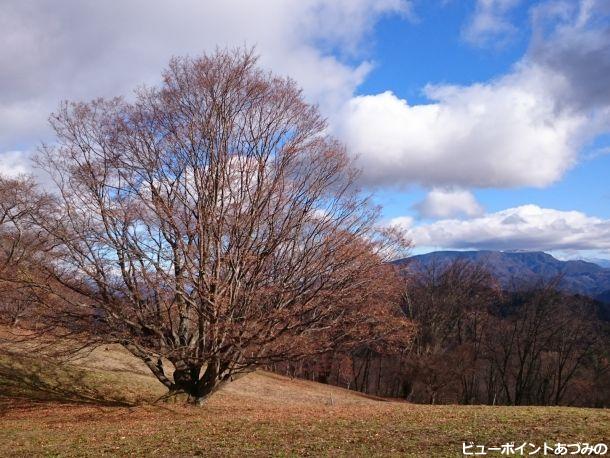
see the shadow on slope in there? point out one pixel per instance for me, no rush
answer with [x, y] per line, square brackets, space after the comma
[45, 379]
[111, 376]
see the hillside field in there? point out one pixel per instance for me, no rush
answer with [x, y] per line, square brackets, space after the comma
[102, 404]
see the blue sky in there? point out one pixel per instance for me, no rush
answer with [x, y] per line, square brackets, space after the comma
[477, 123]
[432, 49]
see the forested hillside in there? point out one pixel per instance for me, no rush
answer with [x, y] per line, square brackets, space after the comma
[475, 342]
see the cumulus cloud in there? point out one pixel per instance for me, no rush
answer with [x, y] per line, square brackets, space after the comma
[489, 24]
[503, 134]
[527, 227]
[445, 203]
[80, 49]
[525, 128]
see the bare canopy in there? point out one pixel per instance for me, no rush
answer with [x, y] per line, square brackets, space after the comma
[211, 222]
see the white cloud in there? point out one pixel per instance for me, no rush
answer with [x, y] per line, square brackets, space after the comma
[445, 203]
[489, 24]
[14, 163]
[525, 128]
[81, 49]
[505, 133]
[402, 222]
[526, 227]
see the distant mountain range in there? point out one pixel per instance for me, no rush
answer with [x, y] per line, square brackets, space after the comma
[524, 267]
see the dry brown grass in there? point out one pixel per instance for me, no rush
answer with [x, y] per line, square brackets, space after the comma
[108, 413]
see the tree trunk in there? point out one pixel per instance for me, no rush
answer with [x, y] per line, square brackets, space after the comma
[208, 384]
[203, 392]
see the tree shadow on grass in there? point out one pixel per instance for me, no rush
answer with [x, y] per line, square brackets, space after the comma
[48, 380]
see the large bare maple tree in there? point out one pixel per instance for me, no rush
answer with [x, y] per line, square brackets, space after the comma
[210, 223]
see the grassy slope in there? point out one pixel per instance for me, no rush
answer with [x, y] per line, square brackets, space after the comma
[87, 408]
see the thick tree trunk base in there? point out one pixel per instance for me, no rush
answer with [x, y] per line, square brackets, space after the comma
[200, 402]
[204, 395]
[185, 398]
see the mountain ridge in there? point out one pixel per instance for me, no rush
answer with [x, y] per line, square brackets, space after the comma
[524, 267]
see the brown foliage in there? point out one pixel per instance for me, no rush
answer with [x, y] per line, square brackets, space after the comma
[211, 223]
[21, 246]
[365, 348]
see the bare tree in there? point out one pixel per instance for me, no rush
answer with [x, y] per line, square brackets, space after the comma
[448, 302]
[540, 341]
[211, 222]
[366, 346]
[19, 245]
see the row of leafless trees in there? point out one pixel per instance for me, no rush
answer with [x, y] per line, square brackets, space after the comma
[476, 344]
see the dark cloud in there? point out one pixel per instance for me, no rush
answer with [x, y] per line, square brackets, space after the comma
[578, 48]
